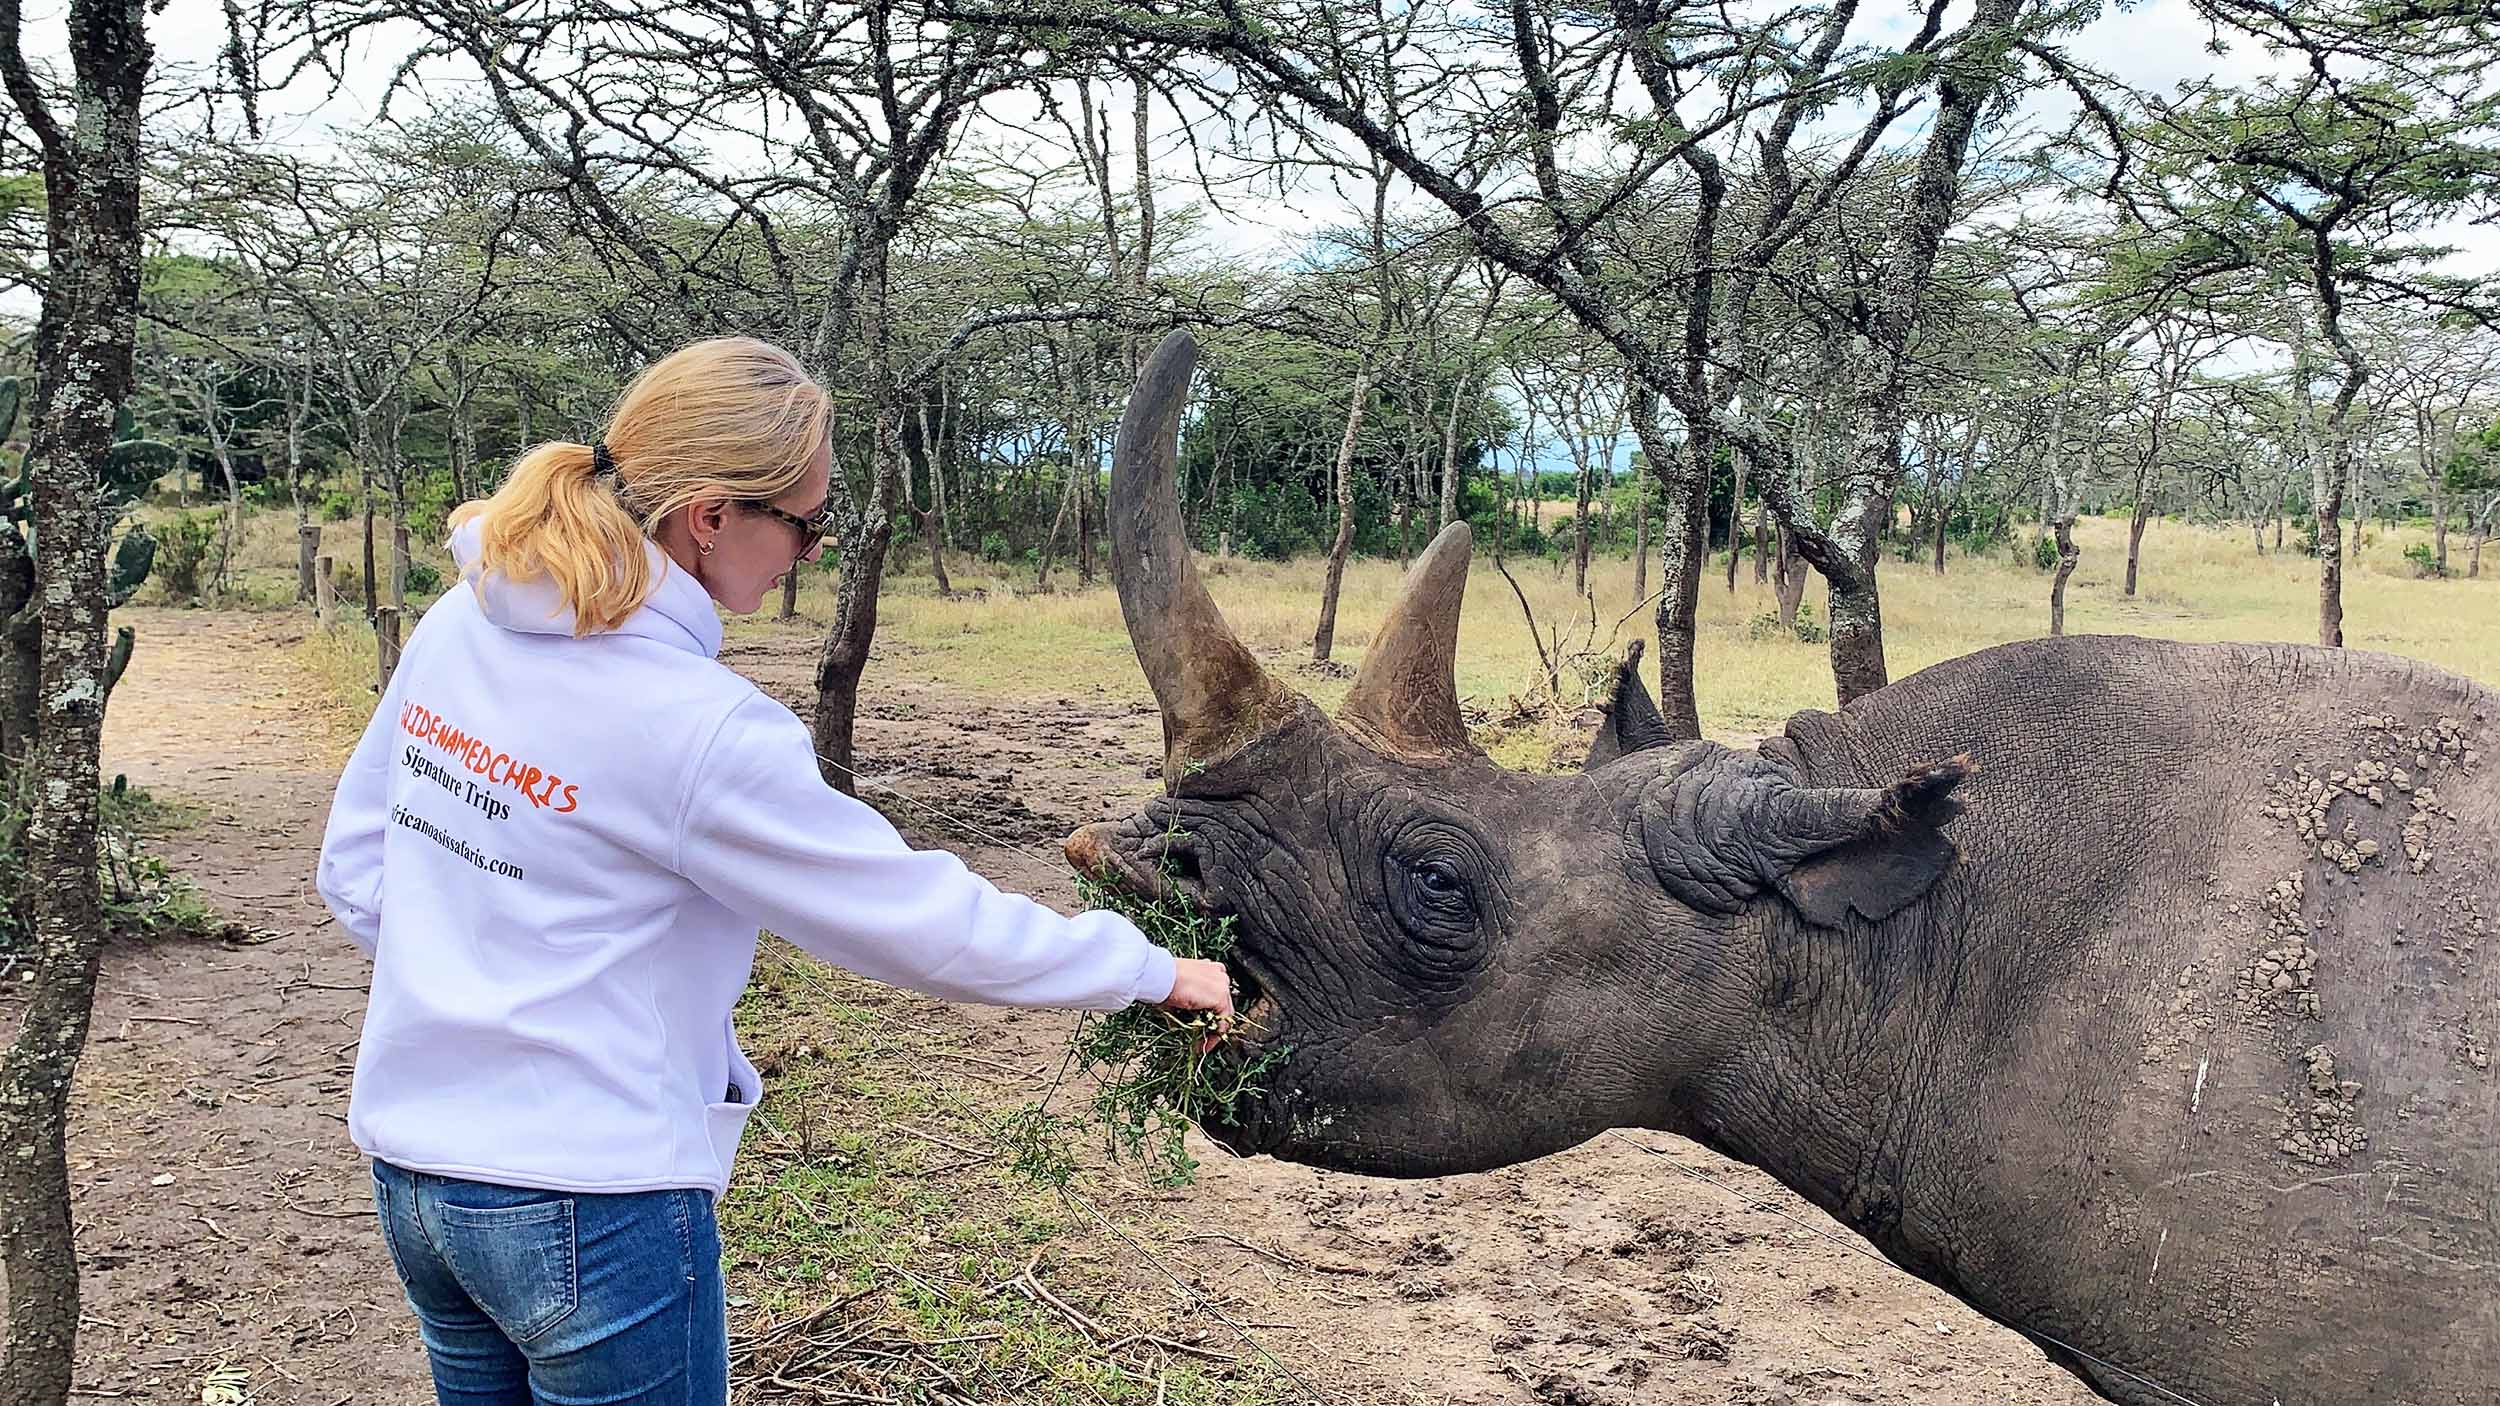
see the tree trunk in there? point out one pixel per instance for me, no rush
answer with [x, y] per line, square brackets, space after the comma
[1855, 601]
[2330, 507]
[1684, 541]
[1735, 520]
[1449, 457]
[373, 599]
[845, 654]
[1324, 638]
[2439, 524]
[1944, 514]
[1792, 582]
[1761, 543]
[2068, 554]
[1640, 543]
[83, 344]
[2135, 541]
[1059, 523]
[1580, 536]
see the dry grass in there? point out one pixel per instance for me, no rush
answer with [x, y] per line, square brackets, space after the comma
[2196, 584]
[997, 636]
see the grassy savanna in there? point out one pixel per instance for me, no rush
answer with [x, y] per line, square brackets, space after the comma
[2196, 583]
[996, 636]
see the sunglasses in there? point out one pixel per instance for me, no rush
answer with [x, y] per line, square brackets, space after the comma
[812, 530]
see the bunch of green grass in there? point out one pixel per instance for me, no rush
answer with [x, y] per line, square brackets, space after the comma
[1153, 1076]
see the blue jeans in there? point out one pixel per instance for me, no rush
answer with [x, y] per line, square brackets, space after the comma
[549, 1298]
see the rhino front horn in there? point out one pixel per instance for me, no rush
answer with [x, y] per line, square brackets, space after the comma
[1214, 696]
[1405, 700]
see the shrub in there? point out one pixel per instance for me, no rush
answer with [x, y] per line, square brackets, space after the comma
[185, 544]
[423, 579]
[1808, 632]
[2425, 563]
[339, 504]
[1766, 626]
[2044, 553]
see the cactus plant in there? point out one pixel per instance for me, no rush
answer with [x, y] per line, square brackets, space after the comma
[130, 468]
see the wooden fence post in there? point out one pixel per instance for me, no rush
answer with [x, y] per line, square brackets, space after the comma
[325, 592]
[399, 564]
[307, 551]
[385, 644]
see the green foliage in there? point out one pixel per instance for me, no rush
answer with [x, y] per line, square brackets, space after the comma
[1805, 630]
[133, 556]
[431, 497]
[338, 504]
[142, 897]
[423, 579]
[2044, 553]
[1153, 1077]
[2424, 561]
[187, 544]
[132, 467]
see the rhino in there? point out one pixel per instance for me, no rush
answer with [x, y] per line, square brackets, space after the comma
[2140, 994]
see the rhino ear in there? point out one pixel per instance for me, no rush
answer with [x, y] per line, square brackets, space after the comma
[1895, 849]
[1633, 722]
[1728, 826]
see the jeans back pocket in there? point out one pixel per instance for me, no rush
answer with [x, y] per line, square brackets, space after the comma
[518, 1263]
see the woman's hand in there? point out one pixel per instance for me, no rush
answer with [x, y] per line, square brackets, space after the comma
[1200, 985]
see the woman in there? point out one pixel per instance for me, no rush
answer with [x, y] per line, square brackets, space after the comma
[557, 840]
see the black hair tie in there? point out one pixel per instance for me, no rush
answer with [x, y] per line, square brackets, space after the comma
[602, 463]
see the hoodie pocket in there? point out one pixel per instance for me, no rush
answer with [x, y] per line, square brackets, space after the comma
[518, 1263]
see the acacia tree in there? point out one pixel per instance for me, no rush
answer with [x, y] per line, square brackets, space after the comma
[1654, 95]
[851, 112]
[84, 335]
[2310, 186]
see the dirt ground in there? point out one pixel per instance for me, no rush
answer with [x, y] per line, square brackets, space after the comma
[224, 1218]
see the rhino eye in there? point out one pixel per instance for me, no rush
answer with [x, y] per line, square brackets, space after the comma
[1440, 882]
[1433, 878]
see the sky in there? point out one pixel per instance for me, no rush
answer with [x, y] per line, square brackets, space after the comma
[2155, 45]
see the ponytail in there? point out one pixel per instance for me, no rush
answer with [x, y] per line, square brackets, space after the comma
[553, 517]
[728, 417]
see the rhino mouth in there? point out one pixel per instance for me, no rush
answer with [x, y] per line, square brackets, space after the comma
[1153, 863]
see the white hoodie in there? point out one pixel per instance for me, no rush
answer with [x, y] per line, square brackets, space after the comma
[558, 852]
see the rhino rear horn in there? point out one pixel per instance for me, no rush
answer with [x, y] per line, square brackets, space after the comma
[1633, 722]
[1214, 696]
[1405, 699]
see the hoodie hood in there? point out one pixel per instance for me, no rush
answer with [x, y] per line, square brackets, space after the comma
[678, 613]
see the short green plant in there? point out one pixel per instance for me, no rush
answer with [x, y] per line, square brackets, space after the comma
[1804, 630]
[2044, 552]
[188, 545]
[2424, 561]
[1153, 1071]
[338, 504]
[142, 897]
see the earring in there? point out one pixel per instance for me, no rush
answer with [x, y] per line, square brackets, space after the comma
[706, 549]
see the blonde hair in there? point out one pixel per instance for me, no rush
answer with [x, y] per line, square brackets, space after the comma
[727, 417]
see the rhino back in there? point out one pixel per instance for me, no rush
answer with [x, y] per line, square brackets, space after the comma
[2212, 1005]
